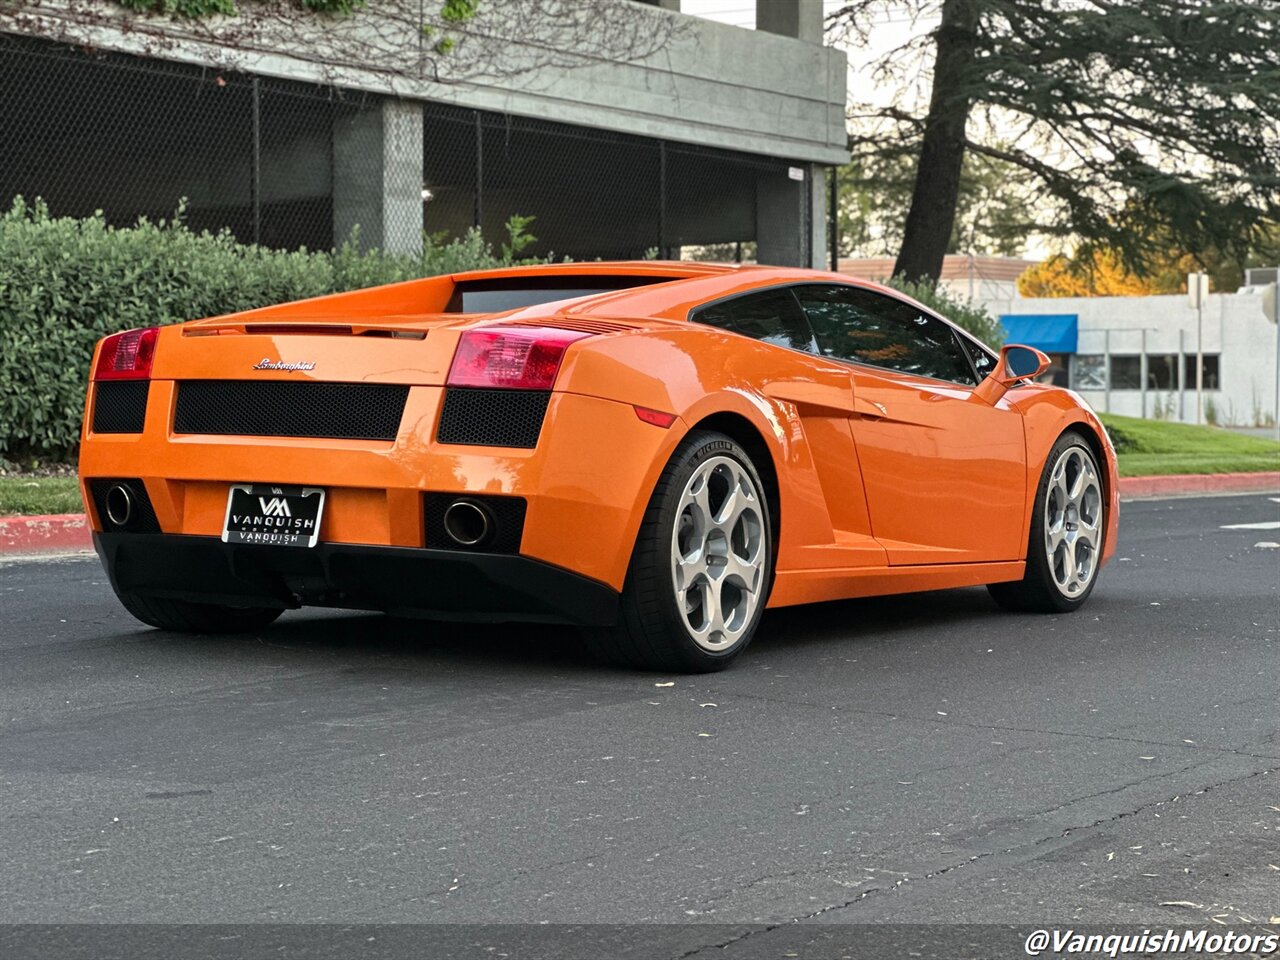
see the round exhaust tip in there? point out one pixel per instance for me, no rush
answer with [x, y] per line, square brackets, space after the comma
[467, 523]
[119, 505]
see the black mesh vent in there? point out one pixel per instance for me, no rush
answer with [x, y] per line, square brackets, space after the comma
[492, 418]
[142, 517]
[274, 408]
[508, 522]
[120, 406]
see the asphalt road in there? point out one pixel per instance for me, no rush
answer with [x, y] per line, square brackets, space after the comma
[923, 759]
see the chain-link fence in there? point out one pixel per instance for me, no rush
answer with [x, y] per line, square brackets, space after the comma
[290, 164]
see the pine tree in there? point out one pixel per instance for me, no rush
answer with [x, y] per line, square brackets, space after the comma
[1136, 118]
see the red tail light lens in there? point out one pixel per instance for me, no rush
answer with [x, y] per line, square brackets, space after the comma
[127, 356]
[512, 358]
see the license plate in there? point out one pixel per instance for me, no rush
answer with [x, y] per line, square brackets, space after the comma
[273, 516]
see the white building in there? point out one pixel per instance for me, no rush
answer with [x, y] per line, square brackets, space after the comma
[1136, 355]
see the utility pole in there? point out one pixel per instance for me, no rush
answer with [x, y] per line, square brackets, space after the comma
[1106, 368]
[1142, 372]
[1198, 293]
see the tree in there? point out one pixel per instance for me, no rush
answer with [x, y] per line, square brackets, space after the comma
[992, 209]
[1100, 274]
[1096, 271]
[1130, 118]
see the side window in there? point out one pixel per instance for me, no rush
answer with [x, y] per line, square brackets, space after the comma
[856, 324]
[983, 361]
[772, 316]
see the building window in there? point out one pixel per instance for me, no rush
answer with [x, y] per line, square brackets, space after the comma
[1057, 374]
[1126, 373]
[1162, 371]
[1211, 371]
[1089, 371]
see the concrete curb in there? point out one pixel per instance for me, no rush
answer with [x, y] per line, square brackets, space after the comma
[69, 532]
[51, 533]
[1191, 484]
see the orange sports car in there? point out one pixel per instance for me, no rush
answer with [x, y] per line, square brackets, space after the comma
[655, 452]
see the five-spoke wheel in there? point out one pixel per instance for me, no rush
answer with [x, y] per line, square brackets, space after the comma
[702, 565]
[718, 552]
[1073, 521]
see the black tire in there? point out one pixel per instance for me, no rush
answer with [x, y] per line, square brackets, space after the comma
[652, 633]
[1037, 591]
[182, 616]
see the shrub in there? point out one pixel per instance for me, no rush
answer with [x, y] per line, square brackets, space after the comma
[968, 316]
[67, 282]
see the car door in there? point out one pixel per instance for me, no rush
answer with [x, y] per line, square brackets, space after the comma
[943, 470]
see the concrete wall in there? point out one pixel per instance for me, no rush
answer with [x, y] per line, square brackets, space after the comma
[774, 93]
[712, 84]
[1236, 327]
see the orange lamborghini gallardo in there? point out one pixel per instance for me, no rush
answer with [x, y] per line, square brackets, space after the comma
[655, 452]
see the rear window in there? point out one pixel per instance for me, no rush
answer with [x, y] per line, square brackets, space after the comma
[511, 293]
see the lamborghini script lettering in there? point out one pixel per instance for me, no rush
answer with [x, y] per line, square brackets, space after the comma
[266, 364]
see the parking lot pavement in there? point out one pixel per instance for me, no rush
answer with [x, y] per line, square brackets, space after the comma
[916, 759]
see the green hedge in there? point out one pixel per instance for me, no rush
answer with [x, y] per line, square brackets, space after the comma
[65, 283]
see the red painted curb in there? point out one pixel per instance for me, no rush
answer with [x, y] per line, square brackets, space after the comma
[1190, 483]
[52, 533]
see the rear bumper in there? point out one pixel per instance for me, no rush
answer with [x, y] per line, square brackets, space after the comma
[409, 581]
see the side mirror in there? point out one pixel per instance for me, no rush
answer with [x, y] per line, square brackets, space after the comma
[1016, 363]
[1020, 363]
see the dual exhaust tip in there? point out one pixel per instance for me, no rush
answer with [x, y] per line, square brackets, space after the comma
[468, 523]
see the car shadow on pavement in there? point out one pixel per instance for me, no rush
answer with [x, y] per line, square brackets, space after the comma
[373, 641]
[874, 619]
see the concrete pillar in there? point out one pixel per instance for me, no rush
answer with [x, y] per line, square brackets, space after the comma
[801, 19]
[819, 225]
[377, 177]
[782, 218]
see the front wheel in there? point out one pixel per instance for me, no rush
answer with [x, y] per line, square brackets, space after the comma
[1064, 549]
[702, 564]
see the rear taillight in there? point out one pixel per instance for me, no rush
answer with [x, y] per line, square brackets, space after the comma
[127, 356]
[513, 358]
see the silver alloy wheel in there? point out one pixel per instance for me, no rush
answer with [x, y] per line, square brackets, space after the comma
[1073, 521]
[718, 553]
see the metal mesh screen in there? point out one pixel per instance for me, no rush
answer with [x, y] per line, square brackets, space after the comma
[120, 406]
[270, 408]
[291, 164]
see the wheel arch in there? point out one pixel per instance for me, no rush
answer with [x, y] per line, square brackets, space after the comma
[1053, 417]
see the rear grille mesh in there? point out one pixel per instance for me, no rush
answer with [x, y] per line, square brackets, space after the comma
[120, 406]
[492, 418]
[273, 408]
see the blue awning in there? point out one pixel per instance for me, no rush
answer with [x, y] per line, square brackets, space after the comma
[1050, 332]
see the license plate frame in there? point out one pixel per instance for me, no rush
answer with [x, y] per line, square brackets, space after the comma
[273, 515]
